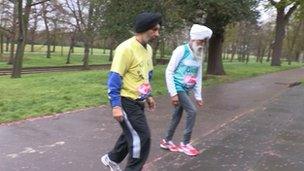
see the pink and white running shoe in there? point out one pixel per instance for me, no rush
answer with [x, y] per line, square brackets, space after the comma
[188, 149]
[169, 145]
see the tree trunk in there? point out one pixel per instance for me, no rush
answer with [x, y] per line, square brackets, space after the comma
[232, 56]
[258, 54]
[13, 35]
[162, 48]
[86, 56]
[297, 57]
[243, 57]
[225, 55]
[23, 24]
[233, 51]
[279, 37]
[1, 43]
[7, 43]
[293, 42]
[32, 47]
[33, 30]
[69, 56]
[155, 46]
[247, 58]
[48, 37]
[12, 52]
[262, 54]
[54, 47]
[54, 40]
[111, 54]
[215, 65]
[104, 46]
[71, 47]
[239, 54]
[88, 37]
[61, 50]
[111, 49]
[281, 22]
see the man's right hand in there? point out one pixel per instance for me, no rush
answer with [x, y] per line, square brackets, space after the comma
[175, 100]
[117, 113]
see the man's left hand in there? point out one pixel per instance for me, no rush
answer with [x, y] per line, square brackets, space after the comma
[200, 103]
[151, 103]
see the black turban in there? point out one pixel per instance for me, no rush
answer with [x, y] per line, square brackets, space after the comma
[146, 20]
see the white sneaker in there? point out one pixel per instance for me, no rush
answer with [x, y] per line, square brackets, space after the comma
[109, 163]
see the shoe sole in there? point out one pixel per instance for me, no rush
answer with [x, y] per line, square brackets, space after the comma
[164, 147]
[182, 151]
[103, 161]
[167, 148]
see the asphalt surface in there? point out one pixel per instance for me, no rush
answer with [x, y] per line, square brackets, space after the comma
[253, 124]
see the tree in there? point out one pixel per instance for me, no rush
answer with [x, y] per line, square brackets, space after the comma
[45, 11]
[33, 27]
[282, 18]
[13, 35]
[293, 33]
[299, 45]
[217, 15]
[294, 38]
[23, 19]
[72, 44]
[5, 24]
[23, 23]
[263, 40]
[83, 23]
[119, 18]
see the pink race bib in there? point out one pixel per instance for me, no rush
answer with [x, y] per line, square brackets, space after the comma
[144, 90]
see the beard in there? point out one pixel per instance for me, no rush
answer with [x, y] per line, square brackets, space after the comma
[149, 39]
[198, 52]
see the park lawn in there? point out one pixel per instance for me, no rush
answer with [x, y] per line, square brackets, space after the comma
[38, 58]
[236, 71]
[49, 93]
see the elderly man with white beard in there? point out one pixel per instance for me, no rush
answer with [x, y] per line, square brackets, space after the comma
[184, 75]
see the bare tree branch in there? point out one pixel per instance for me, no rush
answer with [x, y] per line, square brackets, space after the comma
[73, 10]
[291, 10]
[37, 3]
[80, 14]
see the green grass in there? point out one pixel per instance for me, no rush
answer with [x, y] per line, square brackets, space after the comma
[236, 71]
[45, 94]
[38, 58]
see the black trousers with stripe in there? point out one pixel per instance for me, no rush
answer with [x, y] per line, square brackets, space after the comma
[136, 137]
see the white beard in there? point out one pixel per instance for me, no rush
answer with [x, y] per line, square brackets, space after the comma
[198, 52]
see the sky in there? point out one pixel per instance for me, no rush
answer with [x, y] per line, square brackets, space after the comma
[266, 14]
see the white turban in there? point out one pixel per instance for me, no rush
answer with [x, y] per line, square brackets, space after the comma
[200, 32]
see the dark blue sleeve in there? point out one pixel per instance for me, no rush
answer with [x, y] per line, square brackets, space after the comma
[150, 78]
[114, 87]
[150, 75]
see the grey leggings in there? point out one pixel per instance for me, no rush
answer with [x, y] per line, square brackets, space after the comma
[186, 104]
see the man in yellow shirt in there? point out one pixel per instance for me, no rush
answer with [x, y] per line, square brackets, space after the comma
[128, 89]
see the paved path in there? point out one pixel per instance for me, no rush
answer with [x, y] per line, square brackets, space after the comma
[238, 118]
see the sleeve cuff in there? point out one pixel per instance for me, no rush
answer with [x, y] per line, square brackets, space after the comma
[116, 102]
[173, 94]
[198, 98]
